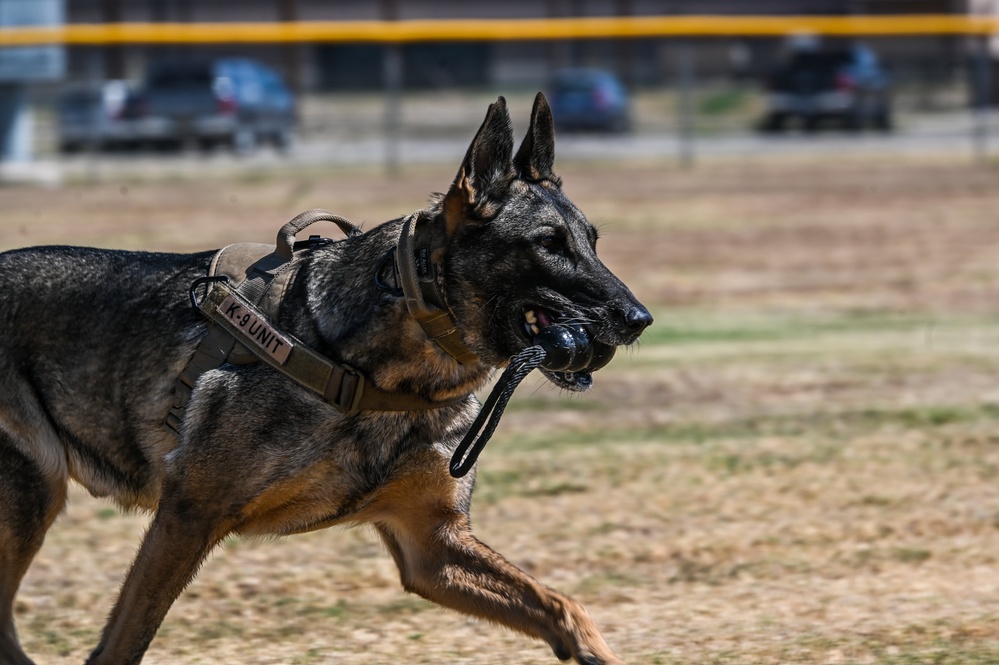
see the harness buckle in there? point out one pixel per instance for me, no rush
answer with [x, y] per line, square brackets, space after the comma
[201, 281]
[389, 258]
[314, 242]
[345, 389]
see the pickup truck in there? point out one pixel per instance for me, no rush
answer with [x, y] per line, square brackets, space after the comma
[236, 102]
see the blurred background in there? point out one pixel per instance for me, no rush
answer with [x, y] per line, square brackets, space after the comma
[361, 98]
[799, 461]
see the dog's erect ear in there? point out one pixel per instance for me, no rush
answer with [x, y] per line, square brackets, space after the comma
[535, 161]
[486, 173]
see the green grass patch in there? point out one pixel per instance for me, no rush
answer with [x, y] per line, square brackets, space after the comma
[941, 651]
[723, 101]
[340, 609]
[834, 424]
[496, 484]
[311, 656]
[945, 654]
[217, 630]
[593, 584]
[405, 605]
[688, 327]
[732, 463]
[562, 402]
[911, 554]
[556, 489]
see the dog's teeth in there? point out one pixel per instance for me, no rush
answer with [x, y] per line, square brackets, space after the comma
[535, 329]
[530, 316]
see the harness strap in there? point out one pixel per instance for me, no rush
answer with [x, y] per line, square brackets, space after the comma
[437, 321]
[338, 384]
[240, 332]
[219, 346]
[210, 354]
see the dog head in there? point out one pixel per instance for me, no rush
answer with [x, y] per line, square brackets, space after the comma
[518, 256]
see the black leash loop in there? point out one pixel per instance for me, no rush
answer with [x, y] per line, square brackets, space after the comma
[520, 366]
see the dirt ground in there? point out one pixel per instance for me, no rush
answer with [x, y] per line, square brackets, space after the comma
[798, 464]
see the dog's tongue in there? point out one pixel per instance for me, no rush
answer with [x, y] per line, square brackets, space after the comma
[544, 317]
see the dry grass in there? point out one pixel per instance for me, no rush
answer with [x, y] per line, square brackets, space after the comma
[798, 465]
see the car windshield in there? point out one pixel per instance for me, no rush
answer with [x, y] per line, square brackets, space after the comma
[79, 98]
[819, 61]
[810, 71]
[181, 77]
[575, 85]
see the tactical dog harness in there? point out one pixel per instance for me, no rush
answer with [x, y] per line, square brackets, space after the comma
[245, 285]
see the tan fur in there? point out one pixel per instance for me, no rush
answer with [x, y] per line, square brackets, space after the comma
[438, 558]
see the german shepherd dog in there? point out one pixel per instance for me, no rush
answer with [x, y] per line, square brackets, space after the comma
[93, 341]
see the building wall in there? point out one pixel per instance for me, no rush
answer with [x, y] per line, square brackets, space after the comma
[504, 64]
[271, 10]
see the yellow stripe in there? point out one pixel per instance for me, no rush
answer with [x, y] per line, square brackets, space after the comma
[499, 29]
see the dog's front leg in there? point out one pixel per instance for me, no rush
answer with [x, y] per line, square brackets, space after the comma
[176, 544]
[440, 559]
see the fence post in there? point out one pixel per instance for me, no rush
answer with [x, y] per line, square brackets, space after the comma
[392, 73]
[685, 102]
[393, 105]
[982, 97]
[15, 123]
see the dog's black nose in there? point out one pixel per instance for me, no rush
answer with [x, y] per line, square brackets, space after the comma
[637, 319]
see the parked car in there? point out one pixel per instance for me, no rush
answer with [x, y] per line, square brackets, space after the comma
[93, 116]
[591, 99]
[232, 101]
[848, 86]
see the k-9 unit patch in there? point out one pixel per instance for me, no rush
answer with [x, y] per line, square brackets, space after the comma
[255, 329]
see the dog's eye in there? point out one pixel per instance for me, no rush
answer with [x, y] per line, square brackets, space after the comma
[553, 243]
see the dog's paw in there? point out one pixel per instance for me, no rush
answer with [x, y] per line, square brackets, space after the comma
[592, 659]
[563, 653]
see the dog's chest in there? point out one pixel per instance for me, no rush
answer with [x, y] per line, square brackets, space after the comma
[351, 470]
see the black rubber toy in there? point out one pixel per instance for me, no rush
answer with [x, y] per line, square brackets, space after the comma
[568, 348]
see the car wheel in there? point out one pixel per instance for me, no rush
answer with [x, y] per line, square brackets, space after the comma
[168, 145]
[283, 139]
[775, 122]
[883, 121]
[244, 141]
[620, 124]
[206, 144]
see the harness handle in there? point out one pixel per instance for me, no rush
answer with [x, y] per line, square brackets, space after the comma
[286, 236]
